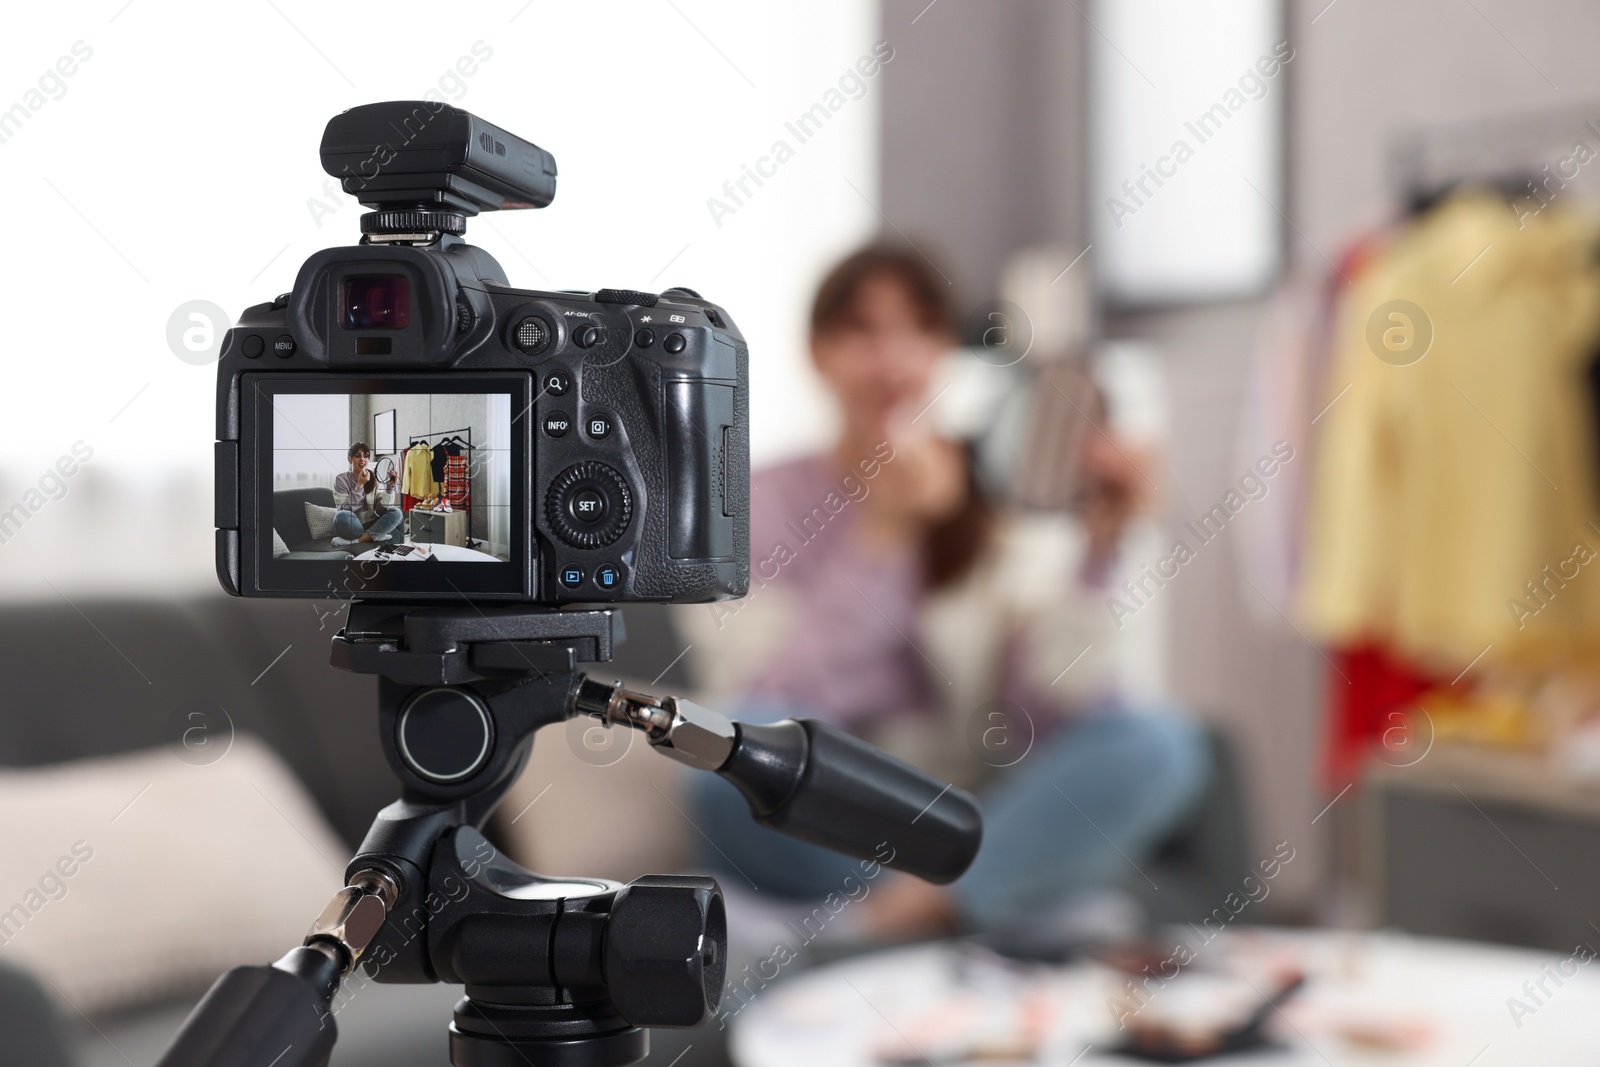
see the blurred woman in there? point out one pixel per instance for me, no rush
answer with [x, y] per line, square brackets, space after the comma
[891, 598]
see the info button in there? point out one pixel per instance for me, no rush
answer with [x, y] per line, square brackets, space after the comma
[557, 423]
[587, 505]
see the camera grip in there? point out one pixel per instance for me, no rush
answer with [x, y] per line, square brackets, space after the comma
[811, 781]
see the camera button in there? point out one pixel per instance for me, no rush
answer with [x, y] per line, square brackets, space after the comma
[588, 505]
[584, 525]
[674, 343]
[533, 334]
[252, 346]
[588, 336]
[557, 382]
[607, 577]
[598, 426]
[572, 576]
[283, 346]
[557, 423]
[645, 337]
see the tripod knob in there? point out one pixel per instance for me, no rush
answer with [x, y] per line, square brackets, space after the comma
[666, 950]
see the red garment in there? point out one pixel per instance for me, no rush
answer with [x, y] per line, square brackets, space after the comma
[457, 483]
[1369, 690]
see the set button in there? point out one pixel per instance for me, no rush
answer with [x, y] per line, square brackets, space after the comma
[587, 506]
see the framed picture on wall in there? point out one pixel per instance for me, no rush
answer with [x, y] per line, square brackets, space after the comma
[383, 433]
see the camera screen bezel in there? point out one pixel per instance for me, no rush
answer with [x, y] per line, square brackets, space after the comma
[433, 580]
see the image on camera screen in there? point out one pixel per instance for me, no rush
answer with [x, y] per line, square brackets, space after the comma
[402, 477]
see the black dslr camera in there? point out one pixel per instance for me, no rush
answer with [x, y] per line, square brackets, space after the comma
[520, 445]
[407, 431]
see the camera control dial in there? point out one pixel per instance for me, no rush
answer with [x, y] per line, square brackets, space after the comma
[588, 505]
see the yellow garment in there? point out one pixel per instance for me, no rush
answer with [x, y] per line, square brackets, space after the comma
[417, 479]
[1442, 487]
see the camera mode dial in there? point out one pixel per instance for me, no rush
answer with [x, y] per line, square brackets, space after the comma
[588, 505]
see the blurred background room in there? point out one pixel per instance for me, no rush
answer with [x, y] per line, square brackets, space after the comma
[1178, 423]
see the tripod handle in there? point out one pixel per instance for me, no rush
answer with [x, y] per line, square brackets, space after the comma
[811, 781]
[258, 1015]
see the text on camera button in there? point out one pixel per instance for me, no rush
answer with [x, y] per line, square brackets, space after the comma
[557, 423]
[598, 426]
[588, 505]
[283, 346]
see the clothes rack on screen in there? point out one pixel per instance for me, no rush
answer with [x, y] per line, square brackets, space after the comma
[439, 464]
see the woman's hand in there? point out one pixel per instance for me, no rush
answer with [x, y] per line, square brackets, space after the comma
[1116, 489]
[924, 483]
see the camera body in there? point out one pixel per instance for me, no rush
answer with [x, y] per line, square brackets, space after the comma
[546, 447]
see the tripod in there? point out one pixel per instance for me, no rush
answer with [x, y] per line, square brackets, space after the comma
[557, 972]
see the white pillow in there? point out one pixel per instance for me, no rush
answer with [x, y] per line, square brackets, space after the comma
[139, 877]
[279, 548]
[320, 520]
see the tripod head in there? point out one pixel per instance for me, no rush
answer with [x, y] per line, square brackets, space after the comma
[562, 972]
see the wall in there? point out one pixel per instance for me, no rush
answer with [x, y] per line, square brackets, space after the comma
[981, 124]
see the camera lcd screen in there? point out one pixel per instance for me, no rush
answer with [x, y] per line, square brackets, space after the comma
[376, 302]
[437, 511]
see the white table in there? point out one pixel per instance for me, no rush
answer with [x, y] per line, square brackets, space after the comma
[444, 553]
[1453, 995]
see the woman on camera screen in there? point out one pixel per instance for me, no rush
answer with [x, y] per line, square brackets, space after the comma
[365, 513]
[893, 597]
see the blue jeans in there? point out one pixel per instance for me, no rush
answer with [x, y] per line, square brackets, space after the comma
[347, 524]
[1077, 813]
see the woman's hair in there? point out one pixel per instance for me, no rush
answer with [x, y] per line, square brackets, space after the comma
[359, 449]
[951, 546]
[930, 294]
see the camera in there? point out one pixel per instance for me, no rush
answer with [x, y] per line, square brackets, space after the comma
[406, 425]
[407, 430]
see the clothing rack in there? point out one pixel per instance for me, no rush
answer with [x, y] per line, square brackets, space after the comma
[1502, 151]
[445, 435]
[442, 433]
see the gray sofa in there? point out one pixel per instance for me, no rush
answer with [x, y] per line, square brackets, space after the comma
[289, 519]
